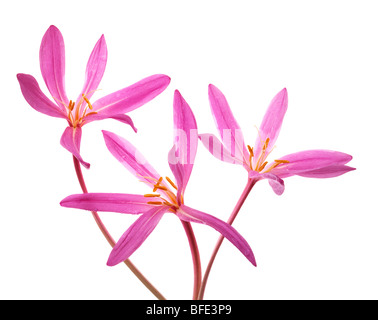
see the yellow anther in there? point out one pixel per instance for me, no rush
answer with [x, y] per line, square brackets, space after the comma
[152, 195]
[87, 101]
[171, 183]
[155, 203]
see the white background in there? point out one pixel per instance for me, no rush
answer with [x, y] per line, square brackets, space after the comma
[319, 240]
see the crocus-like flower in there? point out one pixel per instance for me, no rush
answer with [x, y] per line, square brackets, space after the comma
[165, 196]
[81, 111]
[310, 163]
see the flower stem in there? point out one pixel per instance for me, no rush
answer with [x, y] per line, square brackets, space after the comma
[239, 204]
[110, 239]
[196, 258]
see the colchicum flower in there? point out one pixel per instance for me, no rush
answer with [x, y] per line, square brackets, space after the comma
[81, 111]
[310, 163]
[166, 196]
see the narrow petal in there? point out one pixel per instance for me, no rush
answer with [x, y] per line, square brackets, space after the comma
[229, 129]
[119, 117]
[327, 172]
[130, 158]
[132, 97]
[217, 149]
[109, 202]
[52, 63]
[275, 181]
[133, 238]
[70, 140]
[36, 98]
[181, 157]
[271, 125]
[95, 69]
[310, 160]
[191, 215]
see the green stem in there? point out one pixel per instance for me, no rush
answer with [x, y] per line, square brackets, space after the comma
[230, 220]
[110, 239]
[196, 258]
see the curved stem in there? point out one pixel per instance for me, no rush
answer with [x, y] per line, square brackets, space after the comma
[195, 257]
[230, 220]
[110, 239]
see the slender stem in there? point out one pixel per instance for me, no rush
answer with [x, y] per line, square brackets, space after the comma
[230, 220]
[110, 239]
[195, 257]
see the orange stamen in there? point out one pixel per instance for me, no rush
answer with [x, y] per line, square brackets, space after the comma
[282, 161]
[171, 183]
[155, 202]
[71, 105]
[160, 188]
[150, 195]
[263, 166]
[94, 112]
[266, 144]
[87, 101]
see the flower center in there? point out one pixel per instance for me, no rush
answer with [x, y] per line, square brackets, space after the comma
[170, 199]
[261, 163]
[75, 115]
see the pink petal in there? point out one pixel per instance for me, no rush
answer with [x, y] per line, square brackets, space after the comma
[132, 97]
[327, 172]
[36, 98]
[271, 124]
[217, 149]
[191, 215]
[133, 238]
[95, 69]
[130, 157]
[70, 140]
[52, 62]
[119, 117]
[181, 157]
[275, 181]
[229, 129]
[109, 202]
[310, 160]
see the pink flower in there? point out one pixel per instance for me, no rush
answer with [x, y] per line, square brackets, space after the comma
[165, 196]
[231, 148]
[81, 111]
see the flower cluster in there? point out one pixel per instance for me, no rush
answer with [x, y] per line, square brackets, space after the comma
[166, 195]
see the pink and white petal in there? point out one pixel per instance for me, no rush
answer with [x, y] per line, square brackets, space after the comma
[134, 237]
[276, 182]
[36, 98]
[132, 97]
[130, 158]
[108, 202]
[327, 172]
[70, 140]
[271, 125]
[185, 141]
[119, 117]
[228, 127]
[218, 150]
[310, 160]
[191, 215]
[52, 63]
[95, 70]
